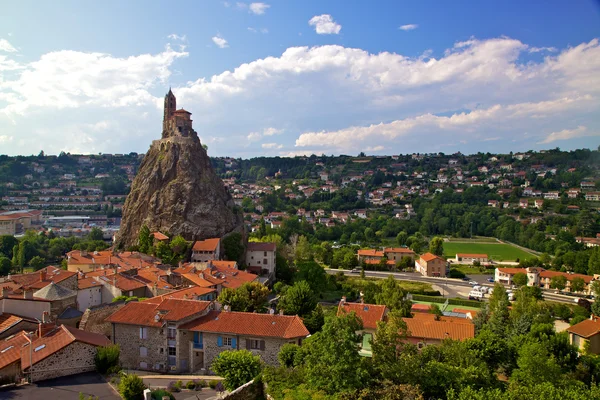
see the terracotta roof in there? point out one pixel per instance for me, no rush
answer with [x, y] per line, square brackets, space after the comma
[152, 276]
[224, 264]
[9, 320]
[368, 313]
[86, 283]
[424, 326]
[11, 348]
[125, 260]
[159, 236]
[250, 324]
[184, 269]
[468, 255]
[261, 246]
[34, 279]
[430, 257]
[206, 245]
[585, 329]
[551, 274]
[198, 280]
[420, 307]
[123, 283]
[143, 313]
[189, 293]
[370, 253]
[404, 250]
[512, 271]
[58, 339]
[375, 262]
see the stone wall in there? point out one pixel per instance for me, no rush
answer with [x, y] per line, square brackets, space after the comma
[70, 283]
[93, 319]
[73, 359]
[11, 373]
[128, 339]
[58, 306]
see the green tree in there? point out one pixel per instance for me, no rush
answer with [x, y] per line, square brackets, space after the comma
[262, 231]
[96, 234]
[392, 296]
[558, 282]
[107, 358]
[37, 263]
[7, 244]
[287, 354]
[15, 257]
[145, 240]
[401, 238]
[520, 279]
[577, 284]
[313, 274]
[315, 320]
[498, 310]
[303, 249]
[298, 300]
[436, 246]
[233, 247]
[131, 387]
[536, 365]
[5, 266]
[250, 297]
[237, 367]
[179, 247]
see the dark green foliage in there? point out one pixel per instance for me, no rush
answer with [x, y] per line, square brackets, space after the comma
[287, 354]
[107, 358]
[233, 247]
[131, 387]
[237, 367]
[158, 394]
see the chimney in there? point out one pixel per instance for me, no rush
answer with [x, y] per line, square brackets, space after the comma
[44, 328]
[43, 274]
[280, 312]
[28, 294]
[5, 291]
[271, 311]
[343, 300]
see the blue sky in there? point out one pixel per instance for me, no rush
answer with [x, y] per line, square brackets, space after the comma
[301, 77]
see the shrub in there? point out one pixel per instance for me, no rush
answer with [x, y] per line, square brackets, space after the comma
[131, 387]
[287, 354]
[179, 384]
[173, 387]
[158, 394]
[455, 273]
[577, 319]
[191, 385]
[201, 384]
[237, 367]
[213, 383]
[107, 359]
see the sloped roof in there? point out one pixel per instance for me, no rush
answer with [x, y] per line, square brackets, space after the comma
[9, 320]
[430, 257]
[570, 277]
[34, 279]
[424, 326]
[206, 245]
[11, 348]
[261, 246]
[143, 313]
[54, 292]
[585, 329]
[159, 236]
[70, 313]
[368, 313]
[404, 250]
[370, 253]
[512, 271]
[469, 255]
[249, 324]
[86, 283]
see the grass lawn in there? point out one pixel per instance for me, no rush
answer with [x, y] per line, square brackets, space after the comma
[476, 239]
[450, 307]
[468, 270]
[497, 251]
[408, 286]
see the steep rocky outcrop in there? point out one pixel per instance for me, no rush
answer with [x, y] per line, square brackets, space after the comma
[176, 190]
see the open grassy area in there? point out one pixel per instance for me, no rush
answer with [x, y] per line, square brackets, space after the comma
[497, 251]
[469, 270]
[450, 307]
[476, 239]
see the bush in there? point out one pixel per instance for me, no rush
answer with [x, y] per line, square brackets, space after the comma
[131, 387]
[287, 354]
[179, 384]
[191, 385]
[107, 358]
[237, 367]
[201, 384]
[455, 273]
[158, 394]
[562, 311]
[173, 387]
[577, 319]
[212, 383]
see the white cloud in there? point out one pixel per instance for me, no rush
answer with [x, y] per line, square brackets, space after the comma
[253, 30]
[264, 30]
[324, 24]
[258, 8]
[261, 30]
[542, 49]
[271, 146]
[219, 41]
[254, 136]
[566, 134]
[6, 46]
[272, 131]
[375, 148]
[5, 139]
[408, 27]
[174, 36]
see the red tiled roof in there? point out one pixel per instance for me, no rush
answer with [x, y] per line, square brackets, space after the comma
[250, 324]
[424, 326]
[9, 320]
[206, 245]
[34, 279]
[159, 236]
[224, 264]
[11, 348]
[184, 269]
[468, 255]
[368, 313]
[143, 313]
[586, 329]
[430, 257]
[125, 260]
[375, 262]
[188, 293]
[86, 283]
[261, 246]
[370, 253]
[125, 283]
[512, 271]
[198, 280]
[58, 339]
[550, 274]
[420, 307]
[403, 250]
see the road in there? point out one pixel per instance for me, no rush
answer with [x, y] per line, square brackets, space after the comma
[450, 287]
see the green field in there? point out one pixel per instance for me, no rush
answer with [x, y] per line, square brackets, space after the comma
[496, 251]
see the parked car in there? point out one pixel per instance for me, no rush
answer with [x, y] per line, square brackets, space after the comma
[490, 280]
[466, 279]
[475, 295]
[473, 283]
[355, 271]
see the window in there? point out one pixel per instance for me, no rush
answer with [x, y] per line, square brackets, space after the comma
[265, 254]
[265, 261]
[143, 333]
[143, 365]
[226, 341]
[172, 351]
[171, 332]
[39, 347]
[162, 351]
[143, 352]
[420, 345]
[257, 344]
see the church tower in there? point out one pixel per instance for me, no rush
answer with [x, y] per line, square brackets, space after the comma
[170, 107]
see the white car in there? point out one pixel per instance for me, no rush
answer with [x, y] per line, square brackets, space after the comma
[473, 283]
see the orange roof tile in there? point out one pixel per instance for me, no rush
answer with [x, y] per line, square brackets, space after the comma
[430, 257]
[159, 236]
[261, 246]
[403, 250]
[143, 313]
[198, 280]
[551, 274]
[9, 320]
[190, 293]
[512, 271]
[125, 260]
[369, 314]
[424, 326]
[206, 245]
[585, 329]
[34, 279]
[11, 348]
[86, 283]
[370, 253]
[250, 324]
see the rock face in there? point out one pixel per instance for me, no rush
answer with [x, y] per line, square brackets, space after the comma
[176, 190]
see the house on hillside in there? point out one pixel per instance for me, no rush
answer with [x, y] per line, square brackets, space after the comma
[431, 265]
[206, 250]
[423, 329]
[260, 258]
[369, 314]
[586, 335]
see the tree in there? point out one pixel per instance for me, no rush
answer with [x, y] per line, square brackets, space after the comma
[5, 266]
[401, 238]
[436, 246]
[179, 247]
[313, 274]
[106, 358]
[237, 367]
[303, 249]
[96, 234]
[7, 244]
[145, 240]
[436, 310]
[298, 300]
[577, 284]
[520, 279]
[392, 296]
[315, 320]
[131, 387]
[37, 263]
[287, 354]
[262, 231]
[498, 310]
[233, 247]
[558, 282]
[250, 297]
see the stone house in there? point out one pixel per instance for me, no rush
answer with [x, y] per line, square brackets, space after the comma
[423, 329]
[369, 314]
[260, 258]
[397, 253]
[431, 265]
[586, 334]
[206, 250]
[262, 334]
[60, 298]
[149, 335]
